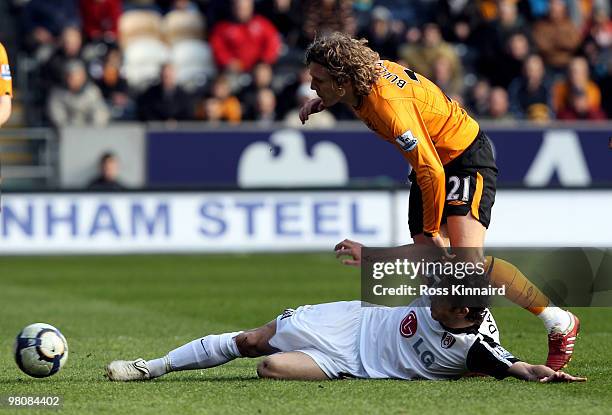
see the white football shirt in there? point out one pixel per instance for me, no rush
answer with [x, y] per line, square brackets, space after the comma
[407, 343]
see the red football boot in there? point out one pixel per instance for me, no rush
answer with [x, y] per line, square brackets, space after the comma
[561, 345]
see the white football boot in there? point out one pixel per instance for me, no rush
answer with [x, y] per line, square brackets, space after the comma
[128, 370]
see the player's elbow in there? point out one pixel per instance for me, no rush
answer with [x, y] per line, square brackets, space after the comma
[437, 171]
[431, 177]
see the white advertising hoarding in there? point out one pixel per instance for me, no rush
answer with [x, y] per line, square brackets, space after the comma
[276, 221]
[552, 218]
[192, 222]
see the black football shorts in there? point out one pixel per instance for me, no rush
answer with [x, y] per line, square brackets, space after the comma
[470, 186]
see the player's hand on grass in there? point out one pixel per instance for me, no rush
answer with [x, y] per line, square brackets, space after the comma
[311, 107]
[561, 377]
[351, 249]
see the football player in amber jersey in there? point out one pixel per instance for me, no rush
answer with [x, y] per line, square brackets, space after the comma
[6, 87]
[454, 172]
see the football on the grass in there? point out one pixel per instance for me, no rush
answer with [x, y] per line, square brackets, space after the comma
[40, 350]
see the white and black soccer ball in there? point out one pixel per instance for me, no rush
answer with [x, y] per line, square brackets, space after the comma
[40, 350]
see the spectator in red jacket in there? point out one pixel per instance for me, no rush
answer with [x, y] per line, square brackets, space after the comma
[239, 44]
[100, 18]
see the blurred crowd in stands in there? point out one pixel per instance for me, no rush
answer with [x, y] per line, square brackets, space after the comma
[93, 61]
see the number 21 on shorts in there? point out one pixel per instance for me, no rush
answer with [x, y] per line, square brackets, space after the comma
[459, 188]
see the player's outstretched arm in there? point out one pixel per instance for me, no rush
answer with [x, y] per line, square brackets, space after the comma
[540, 373]
[352, 249]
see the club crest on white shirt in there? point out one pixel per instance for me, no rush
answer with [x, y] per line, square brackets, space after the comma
[447, 340]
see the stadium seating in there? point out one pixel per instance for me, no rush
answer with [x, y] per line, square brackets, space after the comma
[181, 24]
[143, 59]
[134, 24]
[194, 63]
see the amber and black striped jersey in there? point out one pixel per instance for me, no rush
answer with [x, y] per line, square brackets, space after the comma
[412, 113]
[6, 81]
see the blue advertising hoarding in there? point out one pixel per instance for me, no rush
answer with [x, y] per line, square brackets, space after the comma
[556, 157]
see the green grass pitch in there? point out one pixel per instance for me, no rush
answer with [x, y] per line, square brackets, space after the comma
[143, 306]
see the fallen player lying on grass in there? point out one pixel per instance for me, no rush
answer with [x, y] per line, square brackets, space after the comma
[433, 338]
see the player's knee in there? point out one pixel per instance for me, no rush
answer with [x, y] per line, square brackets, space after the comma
[263, 368]
[269, 368]
[474, 256]
[248, 344]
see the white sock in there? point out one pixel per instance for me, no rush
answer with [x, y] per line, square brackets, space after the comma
[209, 351]
[159, 367]
[554, 317]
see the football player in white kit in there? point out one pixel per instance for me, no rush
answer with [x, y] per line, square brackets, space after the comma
[433, 338]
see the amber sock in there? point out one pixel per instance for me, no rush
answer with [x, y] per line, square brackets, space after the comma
[524, 293]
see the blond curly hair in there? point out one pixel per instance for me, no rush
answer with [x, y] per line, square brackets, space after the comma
[346, 59]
